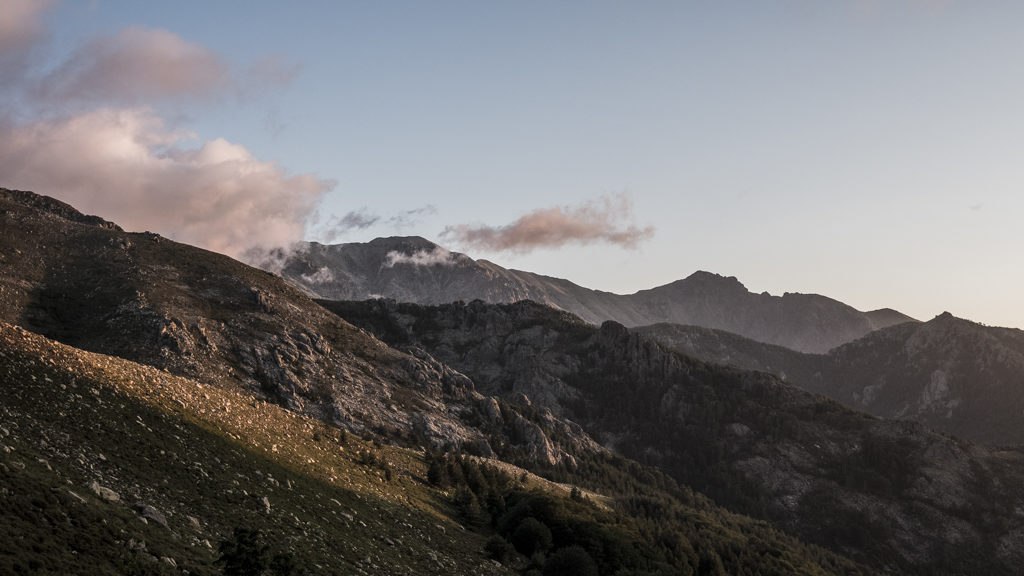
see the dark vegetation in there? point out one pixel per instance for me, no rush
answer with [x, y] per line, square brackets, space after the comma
[873, 490]
[648, 533]
[953, 375]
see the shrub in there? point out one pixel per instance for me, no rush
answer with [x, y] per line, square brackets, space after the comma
[499, 549]
[571, 561]
[531, 536]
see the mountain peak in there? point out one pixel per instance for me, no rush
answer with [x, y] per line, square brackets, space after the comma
[404, 243]
[705, 276]
[946, 317]
[709, 280]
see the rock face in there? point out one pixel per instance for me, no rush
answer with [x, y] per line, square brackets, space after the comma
[84, 282]
[891, 494]
[416, 270]
[953, 375]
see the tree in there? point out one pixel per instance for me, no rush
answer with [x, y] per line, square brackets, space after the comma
[571, 561]
[469, 506]
[531, 536]
[499, 549]
[437, 473]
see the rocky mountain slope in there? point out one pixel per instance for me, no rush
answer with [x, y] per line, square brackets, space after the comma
[111, 467]
[950, 374]
[161, 401]
[201, 315]
[416, 270]
[890, 494]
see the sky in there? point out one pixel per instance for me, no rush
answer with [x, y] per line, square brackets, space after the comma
[864, 150]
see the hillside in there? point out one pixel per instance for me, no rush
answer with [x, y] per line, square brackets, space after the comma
[890, 494]
[416, 270]
[953, 375]
[204, 316]
[110, 467]
[191, 386]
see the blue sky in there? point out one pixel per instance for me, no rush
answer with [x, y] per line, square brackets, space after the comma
[868, 151]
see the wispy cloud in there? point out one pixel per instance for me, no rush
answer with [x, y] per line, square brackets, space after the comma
[438, 256]
[321, 276]
[338, 226]
[608, 219]
[136, 65]
[21, 27]
[410, 218]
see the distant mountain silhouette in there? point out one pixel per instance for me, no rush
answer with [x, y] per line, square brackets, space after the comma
[953, 375]
[413, 269]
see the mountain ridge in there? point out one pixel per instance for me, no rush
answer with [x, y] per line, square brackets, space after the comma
[534, 386]
[414, 269]
[240, 347]
[951, 374]
[874, 490]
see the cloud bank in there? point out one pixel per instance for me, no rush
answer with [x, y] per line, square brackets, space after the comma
[83, 131]
[607, 219]
[127, 166]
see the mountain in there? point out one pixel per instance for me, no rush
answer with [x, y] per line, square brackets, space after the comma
[167, 409]
[417, 270]
[892, 495]
[953, 375]
[111, 467]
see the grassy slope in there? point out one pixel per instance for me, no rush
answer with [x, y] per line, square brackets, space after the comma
[71, 418]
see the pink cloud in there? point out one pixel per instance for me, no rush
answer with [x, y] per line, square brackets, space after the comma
[606, 219]
[125, 165]
[21, 26]
[136, 65]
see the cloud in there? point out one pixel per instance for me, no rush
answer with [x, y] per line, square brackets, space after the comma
[136, 65]
[438, 256]
[606, 219]
[21, 27]
[268, 72]
[409, 218]
[127, 166]
[338, 227]
[321, 276]
[81, 135]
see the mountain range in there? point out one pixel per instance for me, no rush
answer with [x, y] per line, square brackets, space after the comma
[167, 410]
[413, 269]
[882, 492]
[953, 375]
